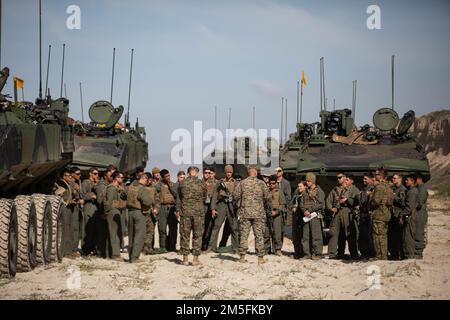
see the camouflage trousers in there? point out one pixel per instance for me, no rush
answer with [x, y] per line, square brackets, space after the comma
[420, 234]
[380, 237]
[258, 226]
[194, 224]
[149, 238]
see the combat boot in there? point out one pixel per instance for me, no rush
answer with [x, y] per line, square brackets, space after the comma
[185, 260]
[196, 261]
[242, 259]
[261, 260]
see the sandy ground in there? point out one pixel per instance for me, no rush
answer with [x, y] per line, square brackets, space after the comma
[222, 277]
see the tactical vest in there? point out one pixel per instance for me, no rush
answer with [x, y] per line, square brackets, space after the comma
[275, 197]
[166, 195]
[115, 202]
[151, 193]
[210, 184]
[308, 199]
[133, 202]
[230, 186]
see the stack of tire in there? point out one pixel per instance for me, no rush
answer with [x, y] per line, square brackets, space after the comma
[30, 233]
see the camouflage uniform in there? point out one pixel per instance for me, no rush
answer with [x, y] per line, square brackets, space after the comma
[395, 229]
[90, 212]
[191, 197]
[166, 216]
[343, 227]
[421, 222]
[409, 222]
[225, 210]
[297, 230]
[113, 203]
[151, 221]
[251, 195]
[274, 242]
[365, 241]
[380, 202]
[312, 240]
[138, 205]
[208, 223]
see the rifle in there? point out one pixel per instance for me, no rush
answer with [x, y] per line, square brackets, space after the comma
[228, 199]
[336, 203]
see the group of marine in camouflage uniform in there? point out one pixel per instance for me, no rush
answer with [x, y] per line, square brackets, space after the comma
[101, 213]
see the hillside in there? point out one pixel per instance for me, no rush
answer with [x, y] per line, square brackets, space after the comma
[433, 131]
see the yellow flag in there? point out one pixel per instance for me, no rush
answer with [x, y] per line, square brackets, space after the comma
[303, 78]
[19, 82]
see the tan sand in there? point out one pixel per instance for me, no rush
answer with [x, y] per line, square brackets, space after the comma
[222, 277]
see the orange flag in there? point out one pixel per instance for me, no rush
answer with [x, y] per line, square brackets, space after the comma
[303, 81]
[19, 82]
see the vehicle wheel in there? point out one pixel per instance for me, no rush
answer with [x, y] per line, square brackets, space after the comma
[57, 205]
[44, 228]
[27, 222]
[8, 238]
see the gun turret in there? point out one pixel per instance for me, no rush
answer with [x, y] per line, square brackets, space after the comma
[104, 114]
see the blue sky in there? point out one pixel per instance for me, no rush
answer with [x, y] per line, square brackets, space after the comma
[192, 55]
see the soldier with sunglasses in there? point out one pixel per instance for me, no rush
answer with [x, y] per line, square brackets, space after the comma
[335, 203]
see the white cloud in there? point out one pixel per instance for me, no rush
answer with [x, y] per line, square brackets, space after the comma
[266, 87]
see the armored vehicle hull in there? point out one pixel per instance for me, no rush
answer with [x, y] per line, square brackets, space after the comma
[105, 142]
[331, 158]
[36, 142]
[125, 151]
[332, 146]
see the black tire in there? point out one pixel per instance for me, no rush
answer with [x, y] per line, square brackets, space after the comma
[44, 228]
[27, 222]
[9, 238]
[57, 205]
